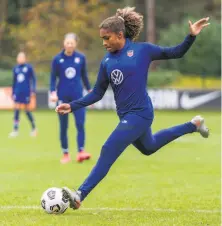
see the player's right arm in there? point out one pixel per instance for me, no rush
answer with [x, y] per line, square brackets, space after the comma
[13, 83]
[53, 76]
[97, 94]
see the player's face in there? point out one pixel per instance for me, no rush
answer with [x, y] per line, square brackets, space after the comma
[111, 41]
[70, 45]
[21, 58]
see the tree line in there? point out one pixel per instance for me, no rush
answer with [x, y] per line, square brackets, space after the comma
[38, 27]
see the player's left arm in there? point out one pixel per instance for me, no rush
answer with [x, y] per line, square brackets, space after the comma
[33, 80]
[161, 53]
[84, 75]
[13, 82]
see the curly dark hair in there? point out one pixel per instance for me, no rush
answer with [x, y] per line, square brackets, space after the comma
[126, 20]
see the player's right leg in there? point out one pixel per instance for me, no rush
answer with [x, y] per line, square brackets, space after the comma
[14, 132]
[149, 144]
[79, 116]
[63, 122]
[128, 130]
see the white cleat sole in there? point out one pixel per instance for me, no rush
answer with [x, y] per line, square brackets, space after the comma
[73, 196]
[201, 127]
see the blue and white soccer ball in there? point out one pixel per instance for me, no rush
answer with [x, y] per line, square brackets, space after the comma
[54, 201]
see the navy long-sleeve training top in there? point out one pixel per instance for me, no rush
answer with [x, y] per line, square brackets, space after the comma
[127, 72]
[24, 79]
[69, 70]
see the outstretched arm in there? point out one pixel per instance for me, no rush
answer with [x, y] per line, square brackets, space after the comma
[160, 53]
[97, 93]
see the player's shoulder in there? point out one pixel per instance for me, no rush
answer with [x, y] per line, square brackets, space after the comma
[143, 47]
[80, 54]
[58, 57]
[141, 44]
[15, 67]
[105, 59]
[29, 66]
[145, 44]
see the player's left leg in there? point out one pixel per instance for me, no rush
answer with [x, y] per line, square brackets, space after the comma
[149, 144]
[130, 128]
[31, 119]
[79, 116]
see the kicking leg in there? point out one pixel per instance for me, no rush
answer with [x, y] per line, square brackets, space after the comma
[149, 144]
[128, 130]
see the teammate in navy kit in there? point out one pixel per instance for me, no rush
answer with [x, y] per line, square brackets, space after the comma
[24, 86]
[69, 69]
[125, 68]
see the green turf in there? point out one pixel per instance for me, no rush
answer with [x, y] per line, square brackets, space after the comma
[179, 185]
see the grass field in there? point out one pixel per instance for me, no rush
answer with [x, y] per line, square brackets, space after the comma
[179, 185]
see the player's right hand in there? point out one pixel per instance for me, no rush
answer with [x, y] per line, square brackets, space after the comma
[53, 97]
[13, 97]
[63, 109]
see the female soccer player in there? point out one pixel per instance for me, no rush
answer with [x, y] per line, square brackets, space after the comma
[69, 67]
[125, 68]
[23, 77]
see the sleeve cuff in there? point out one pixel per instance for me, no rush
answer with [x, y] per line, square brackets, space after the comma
[192, 36]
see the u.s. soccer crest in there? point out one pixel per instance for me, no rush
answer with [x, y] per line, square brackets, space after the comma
[130, 53]
[77, 60]
[24, 69]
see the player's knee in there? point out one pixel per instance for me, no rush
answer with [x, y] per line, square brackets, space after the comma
[106, 151]
[148, 150]
[27, 111]
[106, 156]
[80, 126]
[63, 131]
[27, 108]
[17, 106]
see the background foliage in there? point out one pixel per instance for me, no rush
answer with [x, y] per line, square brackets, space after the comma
[38, 27]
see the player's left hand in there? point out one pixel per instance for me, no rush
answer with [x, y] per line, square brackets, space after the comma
[63, 109]
[197, 27]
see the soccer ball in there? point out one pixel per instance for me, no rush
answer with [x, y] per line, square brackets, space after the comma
[54, 201]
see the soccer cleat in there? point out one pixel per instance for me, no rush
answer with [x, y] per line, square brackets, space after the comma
[74, 198]
[82, 155]
[65, 159]
[33, 133]
[201, 127]
[13, 134]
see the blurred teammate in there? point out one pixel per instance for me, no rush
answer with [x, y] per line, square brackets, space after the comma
[125, 68]
[69, 69]
[24, 86]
